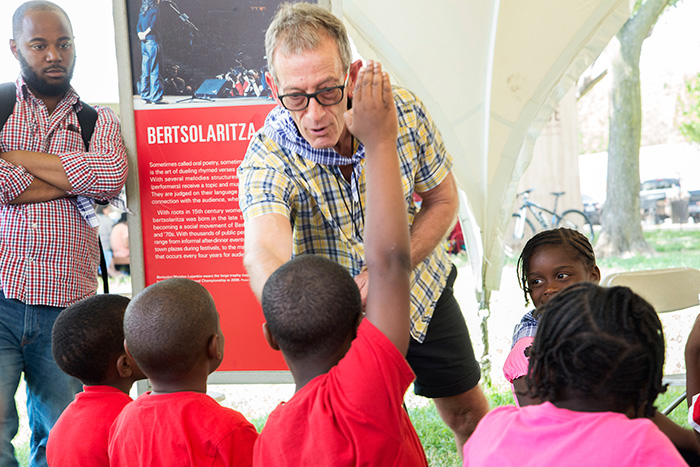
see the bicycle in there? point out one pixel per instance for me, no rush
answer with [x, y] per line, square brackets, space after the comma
[521, 228]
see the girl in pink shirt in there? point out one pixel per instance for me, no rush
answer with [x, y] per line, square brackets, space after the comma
[597, 363]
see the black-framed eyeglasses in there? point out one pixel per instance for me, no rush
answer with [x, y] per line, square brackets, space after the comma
[326, 96]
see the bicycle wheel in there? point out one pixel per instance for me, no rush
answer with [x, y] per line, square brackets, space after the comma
[575, 219]
[513, 243]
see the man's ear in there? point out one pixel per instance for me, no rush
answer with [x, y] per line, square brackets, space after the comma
[273, 87]
[352, 79]
[13, 48]
[271, 341]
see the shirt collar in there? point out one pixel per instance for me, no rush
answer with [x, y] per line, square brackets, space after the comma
[280, 127]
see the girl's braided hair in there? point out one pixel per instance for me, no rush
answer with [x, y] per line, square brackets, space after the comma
[574, 239]
[597, 343]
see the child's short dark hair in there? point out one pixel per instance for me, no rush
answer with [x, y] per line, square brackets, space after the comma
[311, 304]
[88, 337]
[574, 239]
[598, 343]
[168, 325]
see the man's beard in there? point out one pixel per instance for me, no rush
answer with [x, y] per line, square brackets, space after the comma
[41, 86]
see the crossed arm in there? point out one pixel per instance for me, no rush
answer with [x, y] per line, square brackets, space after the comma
[99, 173]
[50, 180]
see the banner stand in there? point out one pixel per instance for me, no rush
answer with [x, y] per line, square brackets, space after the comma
[248, 361]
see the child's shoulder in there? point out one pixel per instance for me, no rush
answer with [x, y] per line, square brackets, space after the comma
[527, 327]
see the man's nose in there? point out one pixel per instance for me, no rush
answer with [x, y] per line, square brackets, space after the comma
[315, 110]
[53, 54]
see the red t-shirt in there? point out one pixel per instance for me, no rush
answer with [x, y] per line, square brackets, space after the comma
[350, 416]
[81, 433]
[180, 429]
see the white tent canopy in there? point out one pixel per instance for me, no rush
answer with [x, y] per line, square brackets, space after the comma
[490, 73]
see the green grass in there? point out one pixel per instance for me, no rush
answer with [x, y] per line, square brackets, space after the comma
[674, 247]
[680, 414]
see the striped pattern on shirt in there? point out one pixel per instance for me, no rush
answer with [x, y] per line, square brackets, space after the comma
[48, 253]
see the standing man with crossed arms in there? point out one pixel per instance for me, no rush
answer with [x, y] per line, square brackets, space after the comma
[302, 191]
[49, 249]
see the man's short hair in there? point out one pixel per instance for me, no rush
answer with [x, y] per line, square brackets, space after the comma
[311, 305]
[41, 5]
[168, 325]
[88, 337]
[298, 27]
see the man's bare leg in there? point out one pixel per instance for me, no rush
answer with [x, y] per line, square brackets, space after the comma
[462, 412]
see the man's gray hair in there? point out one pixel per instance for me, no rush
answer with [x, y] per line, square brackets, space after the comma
[299, 27]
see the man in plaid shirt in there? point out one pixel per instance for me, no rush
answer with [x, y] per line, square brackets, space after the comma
[302, 191]
[49, 250]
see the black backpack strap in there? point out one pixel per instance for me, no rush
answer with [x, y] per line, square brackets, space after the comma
[8, 96]
[87, 118]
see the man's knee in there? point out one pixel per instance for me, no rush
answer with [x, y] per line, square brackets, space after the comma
[463, 410]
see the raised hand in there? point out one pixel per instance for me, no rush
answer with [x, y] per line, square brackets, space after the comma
[373, 118]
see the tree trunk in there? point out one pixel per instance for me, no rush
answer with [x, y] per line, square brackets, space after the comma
[621, 234]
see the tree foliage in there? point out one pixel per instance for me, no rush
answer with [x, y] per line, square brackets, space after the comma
[689, 108]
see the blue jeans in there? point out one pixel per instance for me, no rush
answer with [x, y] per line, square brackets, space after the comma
[151, 86]
[25, 346]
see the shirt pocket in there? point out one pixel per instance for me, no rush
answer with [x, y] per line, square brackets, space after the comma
[65, 141]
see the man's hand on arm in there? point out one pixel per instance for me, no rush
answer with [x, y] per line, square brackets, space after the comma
[430, 226]
[268, 245]
[47, 167]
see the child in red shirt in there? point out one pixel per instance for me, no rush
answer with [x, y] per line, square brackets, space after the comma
[88, 344]
[172, 331]
[350, 380]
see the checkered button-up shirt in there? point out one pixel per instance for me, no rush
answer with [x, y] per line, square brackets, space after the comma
[527, 327]
[48, 253]
[325, 218]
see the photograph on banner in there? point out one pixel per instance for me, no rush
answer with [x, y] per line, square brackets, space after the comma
[198, 51]
[199, 97]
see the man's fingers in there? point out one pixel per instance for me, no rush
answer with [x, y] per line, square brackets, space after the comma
[387, 96]
[359, 84]
[377, 79]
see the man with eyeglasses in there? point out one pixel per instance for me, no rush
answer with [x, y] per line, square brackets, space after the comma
[302, 192]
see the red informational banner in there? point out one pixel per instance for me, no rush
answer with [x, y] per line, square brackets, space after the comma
[191, 221]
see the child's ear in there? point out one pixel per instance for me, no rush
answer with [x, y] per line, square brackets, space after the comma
[595, 274]
[124, 366]
[214, 349]
[271, 341]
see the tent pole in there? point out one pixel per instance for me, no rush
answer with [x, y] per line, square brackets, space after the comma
[484, 297]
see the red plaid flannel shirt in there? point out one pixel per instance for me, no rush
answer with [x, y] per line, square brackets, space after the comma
[48, 253]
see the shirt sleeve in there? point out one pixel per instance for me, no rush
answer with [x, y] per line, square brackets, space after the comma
[657, 449]
[434, 163]
[516, 362]
[373, 376]
[238, 451]
[264, 186]
[101, 172]
[13, 181]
